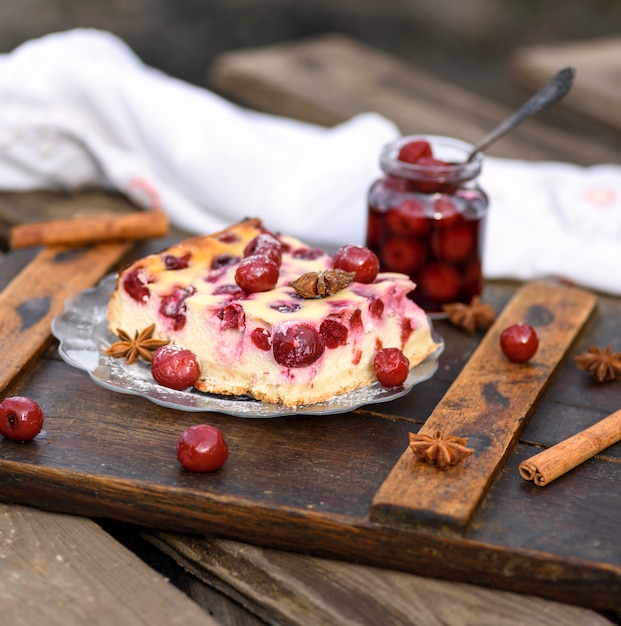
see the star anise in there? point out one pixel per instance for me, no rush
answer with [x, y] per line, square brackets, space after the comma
[470, 317]
[323, 283]
[603, 365]
[438, 450]
[141, 346]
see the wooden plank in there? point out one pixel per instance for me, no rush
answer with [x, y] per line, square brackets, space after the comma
[489, 403]
[597, 88]
[330, 78]
[60, 570]
[292, 589]
[38, 293]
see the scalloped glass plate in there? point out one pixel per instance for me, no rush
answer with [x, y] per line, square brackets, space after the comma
[82, 331]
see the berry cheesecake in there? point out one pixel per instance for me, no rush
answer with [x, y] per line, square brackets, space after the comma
[270, 317]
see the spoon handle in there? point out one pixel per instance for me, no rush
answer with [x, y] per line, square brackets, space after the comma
[550, 93]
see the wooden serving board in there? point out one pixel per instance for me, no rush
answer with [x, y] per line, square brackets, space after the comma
[325, 485]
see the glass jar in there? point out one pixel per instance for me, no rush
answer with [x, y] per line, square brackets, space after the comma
[426, 218]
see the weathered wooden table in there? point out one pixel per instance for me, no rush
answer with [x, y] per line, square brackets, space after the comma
[292, 529]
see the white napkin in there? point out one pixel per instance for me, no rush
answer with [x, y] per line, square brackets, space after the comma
[80, 109]
[554, 220]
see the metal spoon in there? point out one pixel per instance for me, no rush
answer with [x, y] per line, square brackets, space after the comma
[550, 93]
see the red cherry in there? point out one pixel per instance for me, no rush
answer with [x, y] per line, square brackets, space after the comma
[358, 259]
[223, 260]
[202, 448]
[374, 228]
[135, 285]
[175, 367]
[439, 282]
[308, 254]
[445, 213]
[21, 418]
[519, 342]
[472, 279]
[413, 151]
[267, 245]
[232, 316]
[408, 218]
[256, 273]
[391, 367]
[174, 307]
[297, 345]
[431, 179]
[402, 254]
[334, 333]
[376, 308]
[261, 338]
[172, 262]
[453, 244]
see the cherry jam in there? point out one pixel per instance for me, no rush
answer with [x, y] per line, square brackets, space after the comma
[427, 216]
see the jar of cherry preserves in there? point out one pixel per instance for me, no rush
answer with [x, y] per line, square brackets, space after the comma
[427, 218]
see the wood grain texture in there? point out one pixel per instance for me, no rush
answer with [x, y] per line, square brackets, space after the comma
[331, 78]
[306, 484]
[597, 88]
[60, 570]
[296, 590]
[488, 404]
[38, 293]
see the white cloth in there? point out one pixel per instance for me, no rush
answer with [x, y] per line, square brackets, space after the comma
[80, 109]
[554, 219]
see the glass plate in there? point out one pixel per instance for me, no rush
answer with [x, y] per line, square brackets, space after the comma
[82, 330]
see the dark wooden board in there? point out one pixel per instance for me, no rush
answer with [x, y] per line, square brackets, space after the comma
[306, 484]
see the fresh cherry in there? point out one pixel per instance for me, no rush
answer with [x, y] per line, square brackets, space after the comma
[391, 367]
[297, 345]
[256, 273]
[21, 418]
[202, 448]
[519, 342]
[175, 367]
[358, 259]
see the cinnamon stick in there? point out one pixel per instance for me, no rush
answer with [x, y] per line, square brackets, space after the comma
[82, 231]
[548, 465]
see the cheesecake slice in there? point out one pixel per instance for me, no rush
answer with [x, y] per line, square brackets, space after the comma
[272, 344]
